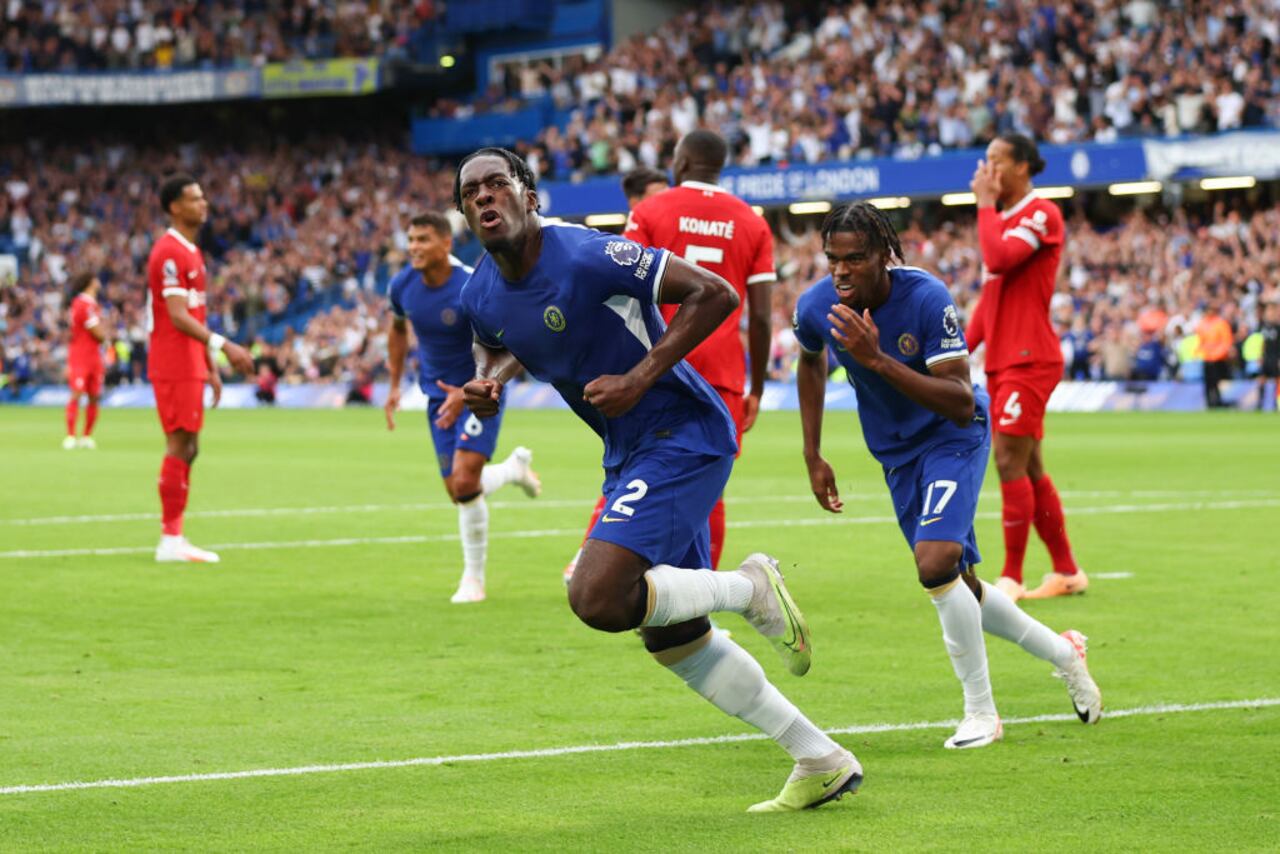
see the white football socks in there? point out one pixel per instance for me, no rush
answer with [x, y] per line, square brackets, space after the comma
[494, 476]
[1002, 618]
[473, 525]
[961, 619]
[734, 682]
[678, 595]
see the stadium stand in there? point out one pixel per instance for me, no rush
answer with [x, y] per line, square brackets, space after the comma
[791, 84]
[99, 36]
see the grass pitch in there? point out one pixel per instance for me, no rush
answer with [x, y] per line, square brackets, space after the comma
[325, 638]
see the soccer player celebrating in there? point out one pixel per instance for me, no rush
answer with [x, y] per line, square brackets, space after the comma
[84, 358]
[705, 225]
[426, 294]
[180, 355]
[1021, 247]
[578, 309]
[896, 332]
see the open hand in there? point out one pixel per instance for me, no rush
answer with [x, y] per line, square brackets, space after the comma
[452, 406]
[822, 480]
[985, 184]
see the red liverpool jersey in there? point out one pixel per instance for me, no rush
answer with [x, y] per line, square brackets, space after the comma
[175, 268]
[714, 229]
[84, 354]
[1021, 248]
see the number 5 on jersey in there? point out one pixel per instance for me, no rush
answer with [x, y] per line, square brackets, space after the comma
[703, 255]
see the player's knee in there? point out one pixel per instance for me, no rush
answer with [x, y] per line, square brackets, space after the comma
[464, 486]
[1009, 466]
[600, 603]
[598, 610]
[938, 563]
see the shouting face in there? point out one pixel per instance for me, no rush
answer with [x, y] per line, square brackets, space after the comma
[498, 208]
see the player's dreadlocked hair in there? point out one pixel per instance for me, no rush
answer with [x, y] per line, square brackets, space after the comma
[865, 219]
[515, 163]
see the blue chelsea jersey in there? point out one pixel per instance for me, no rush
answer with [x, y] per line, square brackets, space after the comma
[439, 324]
[587, 309]
[919, 327]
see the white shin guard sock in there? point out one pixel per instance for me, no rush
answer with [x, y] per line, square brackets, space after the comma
[1002, 618]
[961, 619]
[473, 525]
[678, 595]
[734, 683]
[494, 476]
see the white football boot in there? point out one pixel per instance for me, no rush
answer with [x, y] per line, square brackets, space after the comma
[177, 550]
[86, 443]
[469, 590]
[526, 478]
[69, 443]
[1085, 696]
[976, 730]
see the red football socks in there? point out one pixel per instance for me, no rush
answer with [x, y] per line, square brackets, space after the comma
[90, 418]
[73, 410]
[1051, 525]
[717, 533]
[174, 483]
[1019, 511]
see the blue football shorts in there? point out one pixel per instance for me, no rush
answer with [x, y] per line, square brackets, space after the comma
[468, 433]
[658, 501]
[935, 496]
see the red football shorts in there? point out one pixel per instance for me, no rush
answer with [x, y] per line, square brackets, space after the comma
[85, 381]
[736, 411]
[1019, 396]
[180, 404]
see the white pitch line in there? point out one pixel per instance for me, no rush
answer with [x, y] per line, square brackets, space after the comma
[548, 752]
[808, 522]
[562, 503]
[1111, 576]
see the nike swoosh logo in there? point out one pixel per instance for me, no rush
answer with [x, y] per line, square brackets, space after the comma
[498, 334]
[924, 522]
[827, 784]
[614, 519]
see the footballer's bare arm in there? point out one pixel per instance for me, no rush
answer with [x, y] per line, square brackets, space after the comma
[705, 300]
[494, 367]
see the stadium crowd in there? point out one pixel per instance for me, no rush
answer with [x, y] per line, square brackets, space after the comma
[285, 231]
[62, 35]
[791, 83]
[1129, 299]
[324, 220]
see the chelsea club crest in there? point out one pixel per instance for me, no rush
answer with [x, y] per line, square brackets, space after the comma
[554, 318]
